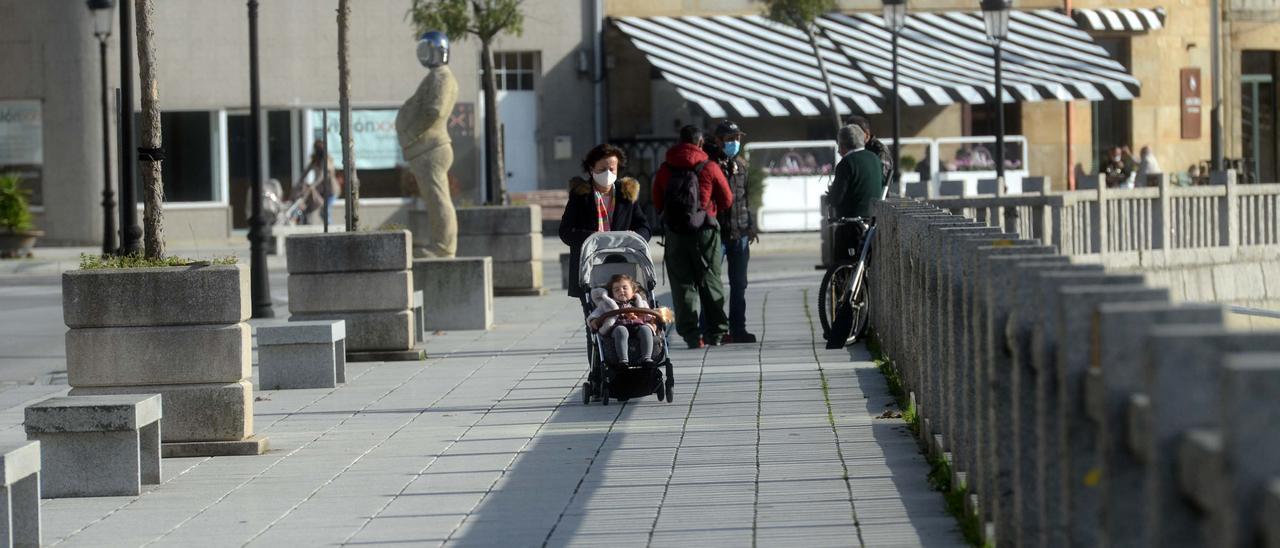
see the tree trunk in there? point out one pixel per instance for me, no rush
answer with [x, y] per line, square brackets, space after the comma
[496, 167]
[351, 183]
[826, 79]
[150, 141]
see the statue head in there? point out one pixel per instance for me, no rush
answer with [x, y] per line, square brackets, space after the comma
[433, 49]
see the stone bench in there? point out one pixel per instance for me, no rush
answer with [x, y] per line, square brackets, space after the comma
[20, 493]
[308, 354]
[97, 446]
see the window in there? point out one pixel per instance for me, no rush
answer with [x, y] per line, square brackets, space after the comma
[278, 159]
[22, 146]
[379, 159]
[190, 150]
[1112, 119]
[1259, 105]
[515, 70]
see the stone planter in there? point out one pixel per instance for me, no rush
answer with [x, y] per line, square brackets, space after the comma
[365, 278]
[179, 332]
[18, 245]
[512, 236]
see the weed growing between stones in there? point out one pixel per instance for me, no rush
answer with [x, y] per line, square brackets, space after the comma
[939, 469]
[95, 262]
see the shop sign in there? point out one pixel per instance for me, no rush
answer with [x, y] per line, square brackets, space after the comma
[1191, 103]
[373, 133]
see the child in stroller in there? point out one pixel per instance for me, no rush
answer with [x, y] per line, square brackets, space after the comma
[621, 292]
[619, 263]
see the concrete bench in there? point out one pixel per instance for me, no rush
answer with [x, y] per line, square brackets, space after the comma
[20, 483]
[96, 446]
[419, 318]
[307, 354]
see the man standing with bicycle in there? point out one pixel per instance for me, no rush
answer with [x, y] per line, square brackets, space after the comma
[858, 183]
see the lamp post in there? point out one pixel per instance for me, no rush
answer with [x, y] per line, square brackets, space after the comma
[130, 232]
[259, 228]
[102, 13]
[895, 17]
[995, 13]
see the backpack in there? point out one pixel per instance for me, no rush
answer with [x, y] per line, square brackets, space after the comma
[682, 211]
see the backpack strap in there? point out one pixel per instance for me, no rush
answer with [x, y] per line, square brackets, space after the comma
[697, 168]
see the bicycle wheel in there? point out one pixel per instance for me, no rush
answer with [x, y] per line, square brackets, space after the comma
[861, 308]
[851, 317]
[828, 300]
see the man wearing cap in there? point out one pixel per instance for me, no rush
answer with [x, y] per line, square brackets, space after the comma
[737, 225]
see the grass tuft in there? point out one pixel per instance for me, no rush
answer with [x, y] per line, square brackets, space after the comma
[96, 262]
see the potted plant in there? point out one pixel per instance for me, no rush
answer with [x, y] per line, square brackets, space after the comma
[17, 236]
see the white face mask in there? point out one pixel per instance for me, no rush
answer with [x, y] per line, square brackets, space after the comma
[604, 180]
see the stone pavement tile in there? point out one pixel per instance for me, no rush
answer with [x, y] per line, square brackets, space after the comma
[806, 513]
[703, 535]
[807, 535]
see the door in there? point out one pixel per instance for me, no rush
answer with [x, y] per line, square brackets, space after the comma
[518, 112]
[516, 73]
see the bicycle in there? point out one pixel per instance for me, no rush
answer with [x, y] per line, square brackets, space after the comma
[843, 307]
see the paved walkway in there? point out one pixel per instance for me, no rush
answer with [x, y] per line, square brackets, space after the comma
[488, 444]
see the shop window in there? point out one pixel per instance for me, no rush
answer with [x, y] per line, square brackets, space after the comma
[191, 152]
[515, 70]
[1112, 118]
[278, 158]
[380, 163]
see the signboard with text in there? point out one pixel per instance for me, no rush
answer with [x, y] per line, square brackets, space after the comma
[373, 135]
[1190, 102]
[22, 144]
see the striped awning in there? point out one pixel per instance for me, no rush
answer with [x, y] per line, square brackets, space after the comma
[751, 66]
[944, 57]
[1119, 19]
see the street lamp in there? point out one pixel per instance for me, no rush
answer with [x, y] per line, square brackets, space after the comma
[895, 17]
[995, 13]
[130, 232]
[259, 228]
[102, 14]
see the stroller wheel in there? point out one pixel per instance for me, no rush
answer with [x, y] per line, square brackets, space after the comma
[661, 391]
[670, 389]
[604, 394]
[586, 393]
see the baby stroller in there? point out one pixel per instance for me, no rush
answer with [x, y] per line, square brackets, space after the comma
[605, 254]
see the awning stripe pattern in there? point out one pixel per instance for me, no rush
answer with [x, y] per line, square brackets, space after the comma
[751, 66]
[748, 66]
[1119, 19]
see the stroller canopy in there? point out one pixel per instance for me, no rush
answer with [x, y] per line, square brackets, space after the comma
[600, 248]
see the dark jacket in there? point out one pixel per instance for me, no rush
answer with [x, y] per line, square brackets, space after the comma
[858, 183]
[579, 220]
[886, 159]
[712, 186]
[738, 221]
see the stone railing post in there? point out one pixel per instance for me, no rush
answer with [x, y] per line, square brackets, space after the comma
[1102, 232]
[1161, 219]
[1251, 457]
[1230, 223]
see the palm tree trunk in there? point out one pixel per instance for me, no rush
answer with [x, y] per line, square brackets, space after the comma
[826, 79]
[351, 184]
[150, 157]
[495, 166]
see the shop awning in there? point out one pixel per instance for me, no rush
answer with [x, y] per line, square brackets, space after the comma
[1119, 19]
[750, 66]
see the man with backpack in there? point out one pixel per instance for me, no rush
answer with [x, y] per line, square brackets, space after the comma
[737, 224]
[688, 190]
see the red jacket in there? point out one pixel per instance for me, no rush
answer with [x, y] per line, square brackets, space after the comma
[713, 187]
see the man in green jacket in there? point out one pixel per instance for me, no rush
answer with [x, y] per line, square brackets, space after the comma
[859, 178]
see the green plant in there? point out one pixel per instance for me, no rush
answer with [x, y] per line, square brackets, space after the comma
[14, 214]
[908, 162]
[95, 262]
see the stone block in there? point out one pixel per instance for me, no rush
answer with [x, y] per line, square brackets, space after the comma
[141, 297]
[302, 355]
[1271, 514]
[350, 292]
[195, 412]
[1238, 282]
[130, 356]
[1250, 449]
[419, 317]
[502, 247]
[1198, 284]
[348, 252]
[94, 446]
[518, 219]
[371, 330]
[20, 493]
[419, 227]
[1137, 419]
[1199, 467]
[1271, 277]
[517, 274]
[457, 293]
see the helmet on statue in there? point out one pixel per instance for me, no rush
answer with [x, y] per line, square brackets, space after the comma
[433, 49]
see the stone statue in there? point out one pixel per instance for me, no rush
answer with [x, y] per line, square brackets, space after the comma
[421, 127]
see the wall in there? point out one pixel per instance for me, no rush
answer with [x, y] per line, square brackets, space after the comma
[1242, 277]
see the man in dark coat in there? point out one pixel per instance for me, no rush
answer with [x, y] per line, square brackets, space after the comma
[586, 196]
[875, 146]
[737, 225]
[859, 179]
[693, 259]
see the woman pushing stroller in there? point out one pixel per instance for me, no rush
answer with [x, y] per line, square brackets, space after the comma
[621, 293]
